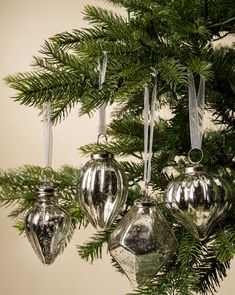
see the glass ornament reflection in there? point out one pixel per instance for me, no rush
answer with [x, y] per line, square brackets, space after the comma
[47, 225]
[101, 189]
[198, 200]
[142, 242]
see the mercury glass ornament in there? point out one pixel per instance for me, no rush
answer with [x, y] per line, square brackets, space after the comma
[198, 200]
[101, 189]
[142, 242]
[47, 225]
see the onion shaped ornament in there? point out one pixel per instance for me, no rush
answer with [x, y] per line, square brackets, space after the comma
[142, 242]
[101, 189]
[198, 200]
[47, 225]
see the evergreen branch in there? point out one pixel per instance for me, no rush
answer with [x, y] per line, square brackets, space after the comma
[189, 250]
[209, 272]
[94, 47]
[225, 245]
[200, 67]
[93, 248]
[62, 108]
[18, 184]
[225, 22]
[134, 192]
[135, 5]
[172, 72]
[20, 226]
[117, 266]
[67, 39]
[126, 126]
[98, 15]
[65, 89]
[132, 170]
[35, 88]
[57, 57]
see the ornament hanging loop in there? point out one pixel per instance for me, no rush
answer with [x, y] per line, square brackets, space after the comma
[102, 139]
[195, 156]
[47, 175]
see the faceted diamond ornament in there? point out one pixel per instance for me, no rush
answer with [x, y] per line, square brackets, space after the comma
[101, 189]
[47, 225]
[198, 200]
[142, 242]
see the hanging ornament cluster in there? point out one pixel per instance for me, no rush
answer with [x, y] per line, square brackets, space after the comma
[47, 225]
[142, 242]
[101, 188]
[197, 199]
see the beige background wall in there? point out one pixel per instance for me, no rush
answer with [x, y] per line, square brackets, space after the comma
[23, 27]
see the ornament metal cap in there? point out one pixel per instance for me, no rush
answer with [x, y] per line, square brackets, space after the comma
[46, 190]
[102, 155]
[193, 169]
[145, 202]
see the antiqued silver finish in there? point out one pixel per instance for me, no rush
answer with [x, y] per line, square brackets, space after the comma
[47, 225]
[198, 200]
[142, 242]
[101, 189]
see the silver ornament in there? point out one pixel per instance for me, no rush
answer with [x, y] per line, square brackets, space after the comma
[198, 200]
[101, 189]
[47, 225]
[142, 242]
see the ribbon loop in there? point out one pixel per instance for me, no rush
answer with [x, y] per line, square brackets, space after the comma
[196, 111]
[149, 119]
[48, 136]
[102, 67]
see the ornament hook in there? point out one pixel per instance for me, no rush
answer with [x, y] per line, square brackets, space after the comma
[47, 175]
[102, 137]
[195, 156]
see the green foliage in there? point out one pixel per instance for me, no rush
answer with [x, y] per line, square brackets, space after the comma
[225, 244]
[18, 188]
[93, 249]
[166, 38]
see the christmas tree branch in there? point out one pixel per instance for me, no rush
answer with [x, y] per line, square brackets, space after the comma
[93, 248]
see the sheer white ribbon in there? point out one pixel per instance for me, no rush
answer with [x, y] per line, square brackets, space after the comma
[102, 67]
[149, 120]
[196, 111]
[48, 136]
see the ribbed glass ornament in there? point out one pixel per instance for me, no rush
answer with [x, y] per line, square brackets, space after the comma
[101, 189]
[142, 242]
[47, 225]
[198, 200]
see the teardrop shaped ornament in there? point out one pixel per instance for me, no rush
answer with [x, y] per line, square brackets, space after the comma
[198, 200]
[47, 225]
[101, 189]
